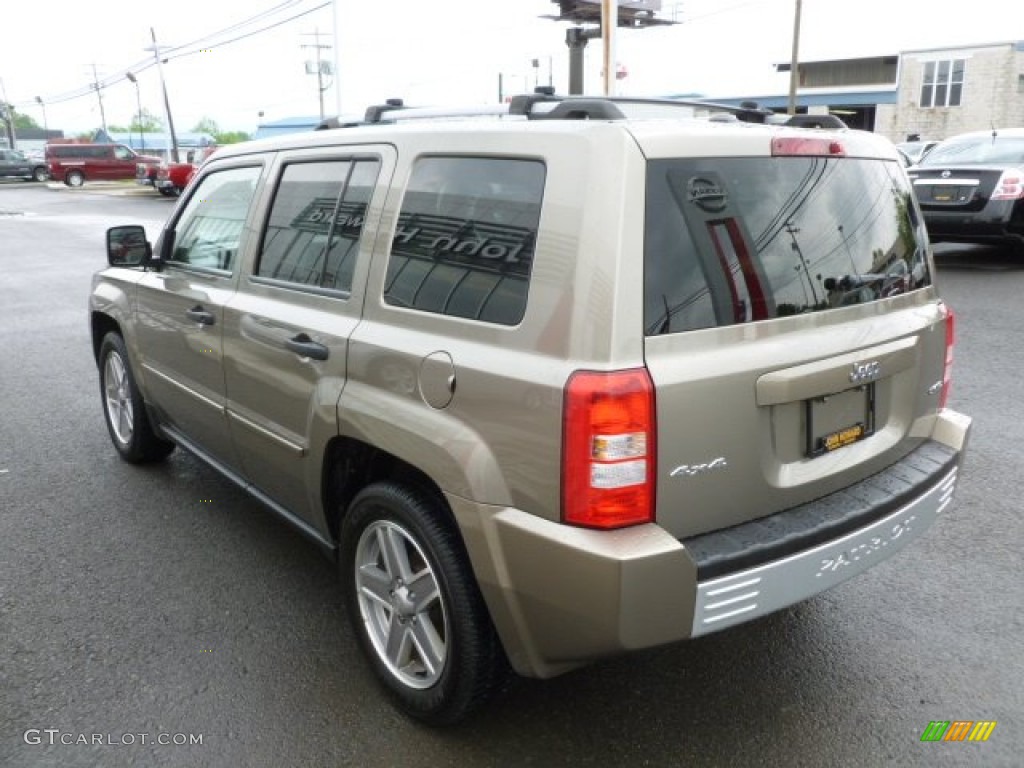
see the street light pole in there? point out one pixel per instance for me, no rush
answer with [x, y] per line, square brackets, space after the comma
[46, 125]
[138, 101]
[163, 85]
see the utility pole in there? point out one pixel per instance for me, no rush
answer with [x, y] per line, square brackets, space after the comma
[99, 95]
[7, 115]
[322, 67]
[609, 24]
[794, 61]
[167, 103]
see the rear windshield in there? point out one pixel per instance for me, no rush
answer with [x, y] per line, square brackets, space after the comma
[977, 151]
[737, 240]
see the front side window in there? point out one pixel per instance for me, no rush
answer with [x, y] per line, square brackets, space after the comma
[317, 216]
[466, 236]
[738, 240]
[209, 231]
[943, 83]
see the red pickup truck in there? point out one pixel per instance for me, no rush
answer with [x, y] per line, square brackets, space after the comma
[172, 178]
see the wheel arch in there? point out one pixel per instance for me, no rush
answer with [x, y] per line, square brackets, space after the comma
[351, 464]
[102, 324]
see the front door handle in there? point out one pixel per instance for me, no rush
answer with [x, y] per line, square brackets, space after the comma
[305, 346]
[199, 315]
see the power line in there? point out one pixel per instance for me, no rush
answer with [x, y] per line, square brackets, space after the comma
[187, 49]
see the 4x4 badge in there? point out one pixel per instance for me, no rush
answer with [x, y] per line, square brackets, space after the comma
[690, 470]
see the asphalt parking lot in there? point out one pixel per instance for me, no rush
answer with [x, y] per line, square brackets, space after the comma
[162, 603]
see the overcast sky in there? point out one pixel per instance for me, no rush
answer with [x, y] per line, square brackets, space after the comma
[446, 51]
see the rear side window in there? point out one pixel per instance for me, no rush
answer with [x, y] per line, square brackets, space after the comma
[737, 240]
[317, 216]
[465, 239]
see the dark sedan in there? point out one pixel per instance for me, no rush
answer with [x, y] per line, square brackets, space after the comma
[971, 188]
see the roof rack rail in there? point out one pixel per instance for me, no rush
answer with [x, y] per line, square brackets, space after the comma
[545, 104]
[618, 108]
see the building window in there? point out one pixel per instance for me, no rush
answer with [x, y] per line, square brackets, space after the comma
[943, 83]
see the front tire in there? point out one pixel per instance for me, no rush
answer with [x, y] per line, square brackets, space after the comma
[40, 174]
[123, 407]
[74, 178]
[415, 605]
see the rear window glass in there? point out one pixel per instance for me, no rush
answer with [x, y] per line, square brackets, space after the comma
[975, 151]
[737, 240]
[465, 238]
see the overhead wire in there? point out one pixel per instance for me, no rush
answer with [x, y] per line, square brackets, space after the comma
[198, 45]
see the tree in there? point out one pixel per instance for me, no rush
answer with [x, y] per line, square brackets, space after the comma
[144, 122]
[147, 122]
[23, 122]
[209, 125]
[231, 137]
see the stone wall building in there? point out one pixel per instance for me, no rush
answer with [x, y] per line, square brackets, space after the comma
[945, 91]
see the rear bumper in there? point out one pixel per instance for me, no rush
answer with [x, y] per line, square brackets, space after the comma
[746, 593]
[562, 596]
[998, 223]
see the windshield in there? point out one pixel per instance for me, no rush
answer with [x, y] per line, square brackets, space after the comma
[739, 240]
[979, 150]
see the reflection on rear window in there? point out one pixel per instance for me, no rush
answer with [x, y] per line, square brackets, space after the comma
[738, 240]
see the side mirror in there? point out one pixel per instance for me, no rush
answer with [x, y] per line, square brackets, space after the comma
[127, 246]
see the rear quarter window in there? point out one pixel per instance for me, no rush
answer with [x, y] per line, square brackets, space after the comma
[465, 238]
[737, 240]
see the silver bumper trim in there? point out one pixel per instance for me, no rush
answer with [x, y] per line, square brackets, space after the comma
[742, 596]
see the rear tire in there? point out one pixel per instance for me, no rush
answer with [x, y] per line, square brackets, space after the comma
[123, 407]
[415, 605]
[74, 178]
[40, 174]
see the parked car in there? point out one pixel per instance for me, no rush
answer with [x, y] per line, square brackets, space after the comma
[547, 389]
[172, 178]
[971, 188]
[74, 164]
[17, 165]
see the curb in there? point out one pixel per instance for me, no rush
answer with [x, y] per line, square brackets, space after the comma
[105, 188]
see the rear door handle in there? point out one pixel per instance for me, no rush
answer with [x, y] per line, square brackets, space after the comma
[199, 315]
[305, 346]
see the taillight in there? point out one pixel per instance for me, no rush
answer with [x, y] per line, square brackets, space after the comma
[608, 449]
[947, 367]
[1010, 186]
[787, 146]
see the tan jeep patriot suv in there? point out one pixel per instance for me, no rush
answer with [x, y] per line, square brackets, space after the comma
[553, 384]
